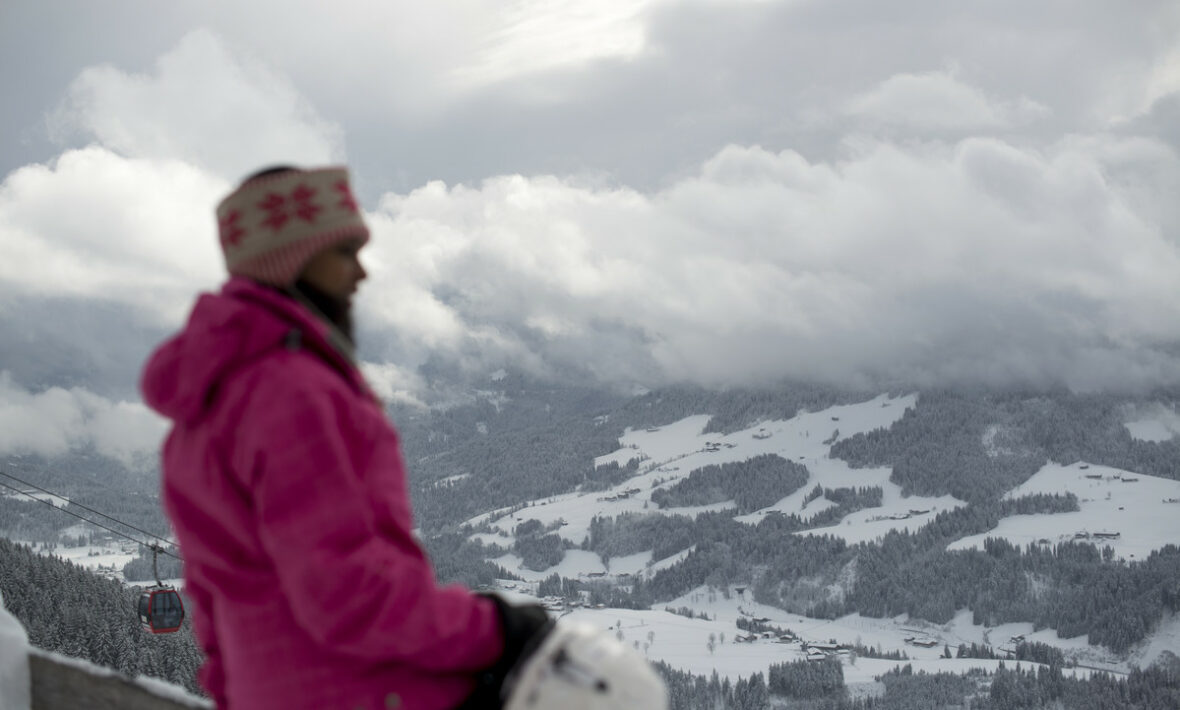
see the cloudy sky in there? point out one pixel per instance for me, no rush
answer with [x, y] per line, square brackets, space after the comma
[720, 191]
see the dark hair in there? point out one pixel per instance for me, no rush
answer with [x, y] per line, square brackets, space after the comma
[274, 170]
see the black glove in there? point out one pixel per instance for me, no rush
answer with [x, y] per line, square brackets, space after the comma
[524, 627]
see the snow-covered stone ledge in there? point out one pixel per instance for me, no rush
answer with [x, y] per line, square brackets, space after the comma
[63, 683]
[33, 679]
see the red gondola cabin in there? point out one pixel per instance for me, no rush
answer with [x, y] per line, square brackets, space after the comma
[160, 610]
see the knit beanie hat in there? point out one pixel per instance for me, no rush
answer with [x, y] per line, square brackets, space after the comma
[273, 224]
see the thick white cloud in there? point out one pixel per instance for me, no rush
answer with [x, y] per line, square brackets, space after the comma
[129, 218]
[977, 260]
[995, 222]
[57, 420]
[94, 224]
[202, 105]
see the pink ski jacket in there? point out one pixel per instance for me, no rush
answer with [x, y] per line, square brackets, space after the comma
[286, 487]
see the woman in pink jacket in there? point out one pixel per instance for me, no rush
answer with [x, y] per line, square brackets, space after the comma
[287, 490]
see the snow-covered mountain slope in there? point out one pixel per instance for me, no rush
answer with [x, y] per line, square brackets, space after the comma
[661, 456]
[670, 453]
[1132, 513]
[1129, 512]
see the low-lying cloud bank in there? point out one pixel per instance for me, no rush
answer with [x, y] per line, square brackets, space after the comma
[56, 421]
[953, 236]
[975, 261]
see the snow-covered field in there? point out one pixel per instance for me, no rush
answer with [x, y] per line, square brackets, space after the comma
[669, 453]
[1112, 501]
[106, 559]
[684, 642]
[54, 500]
[101, 558]
[1132, 513]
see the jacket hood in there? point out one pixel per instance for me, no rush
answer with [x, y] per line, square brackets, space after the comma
[224, 332]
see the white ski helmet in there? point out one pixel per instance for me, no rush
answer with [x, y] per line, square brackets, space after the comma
[579, 667]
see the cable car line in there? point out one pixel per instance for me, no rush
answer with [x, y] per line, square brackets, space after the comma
[160, 608]
[152, 545]
[83, 507]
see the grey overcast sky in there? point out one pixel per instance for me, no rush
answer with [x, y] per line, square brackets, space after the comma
[719, 191]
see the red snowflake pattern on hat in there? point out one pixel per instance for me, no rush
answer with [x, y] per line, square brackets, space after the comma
[270, 226]
[281, 209]
[231, 231]
[347, 201]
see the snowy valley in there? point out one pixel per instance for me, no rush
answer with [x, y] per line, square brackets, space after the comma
[725, 535]
[1133, 514]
